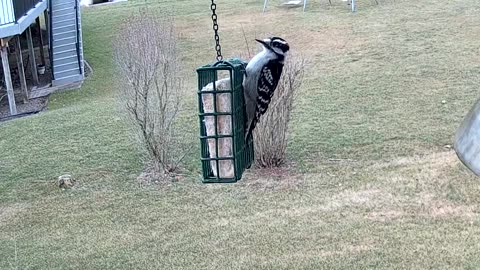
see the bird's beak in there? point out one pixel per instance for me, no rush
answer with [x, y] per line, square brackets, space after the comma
[262, 42]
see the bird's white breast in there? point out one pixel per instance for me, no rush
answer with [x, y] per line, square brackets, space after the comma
[253, 72]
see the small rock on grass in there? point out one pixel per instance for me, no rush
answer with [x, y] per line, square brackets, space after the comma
[66, 181]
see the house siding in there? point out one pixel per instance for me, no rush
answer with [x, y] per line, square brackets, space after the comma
[7, 14]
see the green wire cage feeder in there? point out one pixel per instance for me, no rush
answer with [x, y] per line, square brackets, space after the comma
[225, 154]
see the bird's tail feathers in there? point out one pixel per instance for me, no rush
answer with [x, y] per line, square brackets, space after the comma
[250, 130]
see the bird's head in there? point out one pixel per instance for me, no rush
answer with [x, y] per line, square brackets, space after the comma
[276, 44]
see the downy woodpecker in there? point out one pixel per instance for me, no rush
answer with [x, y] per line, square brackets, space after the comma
[261, 79]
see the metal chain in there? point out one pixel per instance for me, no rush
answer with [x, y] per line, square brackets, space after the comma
[218, 48]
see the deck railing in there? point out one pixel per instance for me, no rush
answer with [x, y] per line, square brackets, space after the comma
[50, 37]
[12, 10]
[77, 12]
[21, 7]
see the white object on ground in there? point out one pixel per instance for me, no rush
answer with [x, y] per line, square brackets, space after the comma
[293, 3]
[86, 3]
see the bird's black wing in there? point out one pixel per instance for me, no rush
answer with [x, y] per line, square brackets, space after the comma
[267, 83]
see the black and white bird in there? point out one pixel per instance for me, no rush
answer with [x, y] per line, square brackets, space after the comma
[261, 79]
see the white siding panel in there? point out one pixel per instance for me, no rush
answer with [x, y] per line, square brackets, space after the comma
[6, 12]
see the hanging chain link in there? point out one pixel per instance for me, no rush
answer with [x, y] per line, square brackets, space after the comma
[218, 48]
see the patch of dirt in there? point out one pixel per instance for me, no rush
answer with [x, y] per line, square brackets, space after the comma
[271, 179]
[363, 198]
[348, 249]
[419, 187]
[152, 176]
[9, 212]
[386, 215]
[33, 106]
[438, 159]
[304, 39]
[342, 249]
[429, 209]
[442, 209]
[405, 188]
[425, 175]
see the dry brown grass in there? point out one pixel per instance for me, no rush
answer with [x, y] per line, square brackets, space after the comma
[8, 213]
[420, 190]
[272, 179]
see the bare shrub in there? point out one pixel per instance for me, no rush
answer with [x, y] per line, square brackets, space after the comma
[271, 131]
[148, 60]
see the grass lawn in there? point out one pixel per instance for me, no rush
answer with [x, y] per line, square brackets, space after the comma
[370, 185]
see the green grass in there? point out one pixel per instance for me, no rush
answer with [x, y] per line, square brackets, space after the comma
[372, 98]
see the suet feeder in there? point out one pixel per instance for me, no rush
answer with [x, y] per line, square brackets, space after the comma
[225, 154]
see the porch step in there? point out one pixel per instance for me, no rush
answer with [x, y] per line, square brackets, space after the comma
[65, 34]
[64, 53]
[64, 60]
[64, 41]
[66, 28]
[65, 22]
[65, 47]
[67, 80]
[62, 4]
[67, 59]
[67, 72]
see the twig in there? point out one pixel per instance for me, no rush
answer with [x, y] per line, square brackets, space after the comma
[246, 42]
[185, 154]
[1, 97]
[16, 249]
[42, 181]
[341, 159]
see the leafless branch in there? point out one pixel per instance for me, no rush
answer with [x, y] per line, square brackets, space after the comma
[272, 130]
[148, 60]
